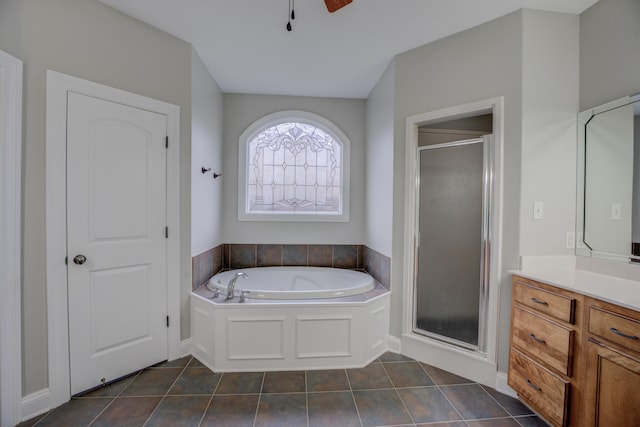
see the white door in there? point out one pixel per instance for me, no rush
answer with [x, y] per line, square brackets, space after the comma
[116, 219]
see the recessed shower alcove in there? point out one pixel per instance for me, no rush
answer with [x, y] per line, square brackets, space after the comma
[453, 163]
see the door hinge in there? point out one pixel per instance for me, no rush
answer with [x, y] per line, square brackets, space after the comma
[167, 321]
[166, 142]
[66, 260]
[166, 232]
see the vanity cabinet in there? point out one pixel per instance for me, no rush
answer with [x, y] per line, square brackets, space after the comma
[613, 365]
[546, 328]
[574, 359]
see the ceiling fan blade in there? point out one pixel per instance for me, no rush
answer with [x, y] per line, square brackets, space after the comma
[333, 5]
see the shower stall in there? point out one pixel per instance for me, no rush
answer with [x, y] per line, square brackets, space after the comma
[453, 242]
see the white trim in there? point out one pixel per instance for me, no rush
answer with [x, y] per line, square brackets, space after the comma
[56, 229]
[462, 362]
[10, 243]
[494, 105]
[36, 404]
[503, 387]
[394, 344]
[305, 117]
[186, 348]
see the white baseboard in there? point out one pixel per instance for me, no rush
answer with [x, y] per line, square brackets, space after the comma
[502, 386]
[185, 348]
[35, 404]
[393, 343]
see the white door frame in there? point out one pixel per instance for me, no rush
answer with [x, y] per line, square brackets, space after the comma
[56, 219]
[10, 244]
[469, 364]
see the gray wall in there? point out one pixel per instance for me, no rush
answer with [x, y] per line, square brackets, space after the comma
[609, 51]
[549, 130]
[89, 40]
[240, 111]
[379, 163]
[480, 63]
[206, 151]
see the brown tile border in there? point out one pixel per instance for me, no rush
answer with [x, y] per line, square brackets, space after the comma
[230, 256]
[269, 255]
[205, 265]
[320, 255]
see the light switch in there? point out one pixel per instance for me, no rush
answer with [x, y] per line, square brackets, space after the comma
[615, 211]
[570, 242]
[538, 210]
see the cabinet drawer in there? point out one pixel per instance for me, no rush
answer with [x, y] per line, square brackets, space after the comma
[550, 303]
[543, 339]
[615, 328]
[544, 391]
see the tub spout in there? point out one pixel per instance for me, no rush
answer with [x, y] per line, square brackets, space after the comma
[232, 284]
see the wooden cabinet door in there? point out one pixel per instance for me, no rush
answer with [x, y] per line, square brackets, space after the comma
[612, 388]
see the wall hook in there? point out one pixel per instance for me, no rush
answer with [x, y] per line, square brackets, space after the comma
[216, 175]
[205, 170]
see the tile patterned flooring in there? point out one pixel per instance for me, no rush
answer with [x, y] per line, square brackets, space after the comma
[391, 391]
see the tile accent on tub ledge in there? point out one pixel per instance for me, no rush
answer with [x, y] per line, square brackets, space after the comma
[378, 265]
[320, 255]
[205, 265]
[295, 255]
[231, 256]
[346, 256]
[275, 255]
[242, 256]
[268, 255]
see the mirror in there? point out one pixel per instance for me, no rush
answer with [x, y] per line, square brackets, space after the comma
[608, 222]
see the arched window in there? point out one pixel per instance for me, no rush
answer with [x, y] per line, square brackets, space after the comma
[293, 166]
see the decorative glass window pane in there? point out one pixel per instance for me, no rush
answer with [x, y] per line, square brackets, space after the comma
[293, 170]
[288, 162]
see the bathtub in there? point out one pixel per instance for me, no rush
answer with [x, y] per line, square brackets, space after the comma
[295, 283]
[291, 323]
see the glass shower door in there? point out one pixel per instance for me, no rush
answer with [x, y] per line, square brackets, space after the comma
[451, 282]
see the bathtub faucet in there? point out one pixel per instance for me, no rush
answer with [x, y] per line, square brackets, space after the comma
[232, 284]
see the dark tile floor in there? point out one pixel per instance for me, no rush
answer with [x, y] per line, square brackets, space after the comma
[391, 391]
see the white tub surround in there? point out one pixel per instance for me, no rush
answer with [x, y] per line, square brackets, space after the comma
[613, 282]
[272, 335]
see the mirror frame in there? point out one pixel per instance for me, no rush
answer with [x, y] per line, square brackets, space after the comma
[584, 117]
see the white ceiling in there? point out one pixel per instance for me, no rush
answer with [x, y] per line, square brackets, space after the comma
[247, 49]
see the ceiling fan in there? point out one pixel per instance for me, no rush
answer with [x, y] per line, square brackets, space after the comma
[332, 6]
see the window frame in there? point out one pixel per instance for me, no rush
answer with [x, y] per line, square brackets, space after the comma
[274, 119]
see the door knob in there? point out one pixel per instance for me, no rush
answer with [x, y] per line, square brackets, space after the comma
[79, 259]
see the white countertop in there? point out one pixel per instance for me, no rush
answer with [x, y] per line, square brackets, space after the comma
[616, 290]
